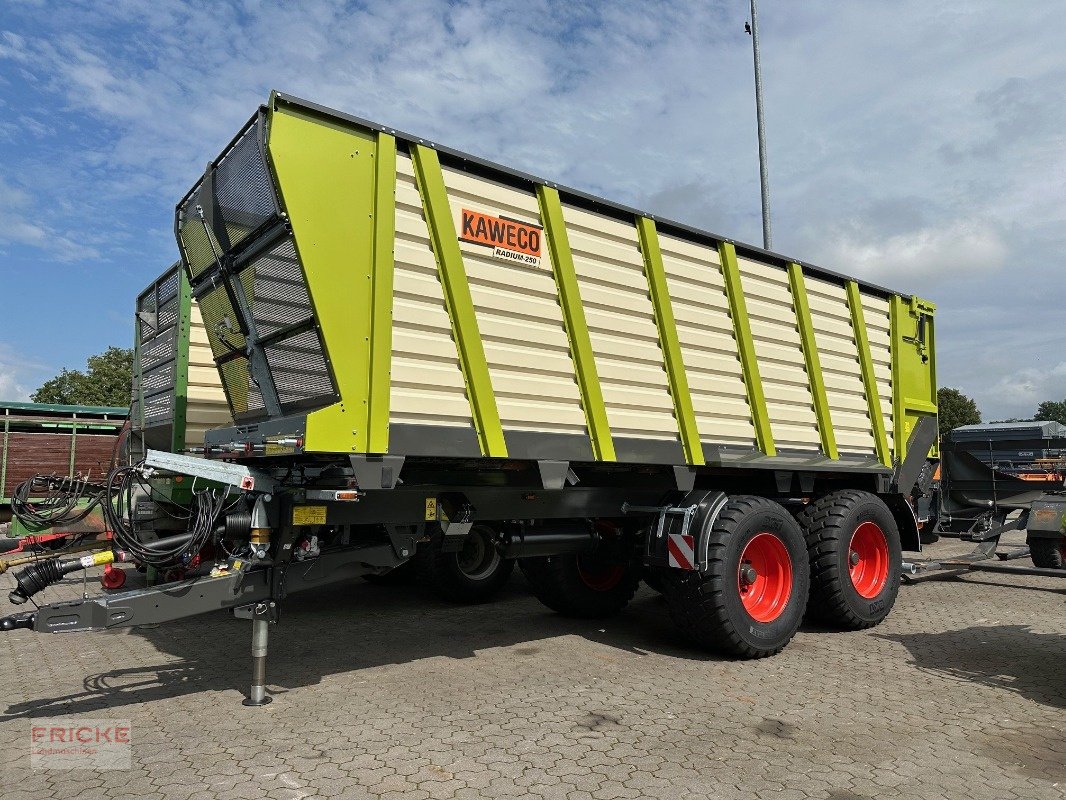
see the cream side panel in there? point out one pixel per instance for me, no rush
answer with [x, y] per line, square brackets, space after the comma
[777, 346]
[426, 382]
[614, 293]
[519, 316]
[839, 356]
[878, 328]
[708, 347]
[207, 407]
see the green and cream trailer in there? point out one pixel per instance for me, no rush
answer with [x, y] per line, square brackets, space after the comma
[415, 343]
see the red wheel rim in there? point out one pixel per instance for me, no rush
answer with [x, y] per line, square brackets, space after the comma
[868, 559]
[598, 576]
[764, 577]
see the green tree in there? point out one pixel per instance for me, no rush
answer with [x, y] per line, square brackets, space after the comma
[955, 409]
[106, 382]
[1051, 411]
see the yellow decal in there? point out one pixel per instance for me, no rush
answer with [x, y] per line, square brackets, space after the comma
[274, 449]
[431, 508]
[309, 515]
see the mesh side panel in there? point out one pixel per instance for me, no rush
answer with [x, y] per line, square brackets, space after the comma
[198, 250]
[299, 368]
[275, 289]
[168, 287]
[244, 395]
[159, 409]
[242, 199]
[158, 350]
[162, 377]
[221, 321]
[243, 188]
[147, 303]
[168, 314]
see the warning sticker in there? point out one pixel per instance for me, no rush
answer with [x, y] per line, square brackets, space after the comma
[510, 239]
[681, 551]
[309, 515]
[431, 508]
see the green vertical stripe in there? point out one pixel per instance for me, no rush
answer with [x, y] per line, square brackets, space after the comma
[813, 362]
[3, 455]
[899, 410]
[738, 310]
[381, 299]
[671, 346]
[183, 336]
[472, 359]
[869, 380]
[577, 331]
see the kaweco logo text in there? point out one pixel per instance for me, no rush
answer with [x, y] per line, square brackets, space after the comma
[510, 239]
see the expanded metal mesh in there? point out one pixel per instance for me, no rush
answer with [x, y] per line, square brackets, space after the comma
[168, 286]
[243, 393]
[159, 409]
[200, 251]
[162, 377]
[275, 288]
[239, 206]
[300, 372]
[221, 322]
[243, 189]
[157, 323]
[237, 199]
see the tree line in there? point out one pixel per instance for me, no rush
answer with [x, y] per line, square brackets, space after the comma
[108, 376]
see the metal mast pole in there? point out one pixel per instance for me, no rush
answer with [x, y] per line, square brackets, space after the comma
[753, 29]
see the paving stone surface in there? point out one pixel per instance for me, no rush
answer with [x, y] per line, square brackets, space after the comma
[383, 692]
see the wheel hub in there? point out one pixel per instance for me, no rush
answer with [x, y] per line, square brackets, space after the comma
[764, 577]
[478, 558]
[599, 575]
[868, 559]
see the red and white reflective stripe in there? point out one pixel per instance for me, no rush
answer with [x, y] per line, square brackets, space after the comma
[680, 548]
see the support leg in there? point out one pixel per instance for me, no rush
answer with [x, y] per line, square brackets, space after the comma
[262, 616]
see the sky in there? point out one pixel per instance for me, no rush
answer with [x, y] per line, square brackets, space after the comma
[918, 145]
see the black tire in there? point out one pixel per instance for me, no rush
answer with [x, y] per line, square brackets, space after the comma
[584, 586]
[1048, 553]
[474, 574]
[829, 524]
[709, 608]
[653, 577]
[404, 573]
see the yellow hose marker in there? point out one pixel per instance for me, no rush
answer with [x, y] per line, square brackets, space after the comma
[97, 559]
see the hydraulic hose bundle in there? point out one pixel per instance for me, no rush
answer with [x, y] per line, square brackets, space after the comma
[125, 488]
[202, 519]
[53, 501]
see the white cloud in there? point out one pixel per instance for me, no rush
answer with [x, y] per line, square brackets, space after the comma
[17, 374]
[1027, 387]
[19, 224]
[952, 249]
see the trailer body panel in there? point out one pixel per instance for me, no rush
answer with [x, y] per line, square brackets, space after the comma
[438, 305]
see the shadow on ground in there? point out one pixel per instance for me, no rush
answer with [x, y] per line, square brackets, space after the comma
[346, 628]
[1010, 657]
